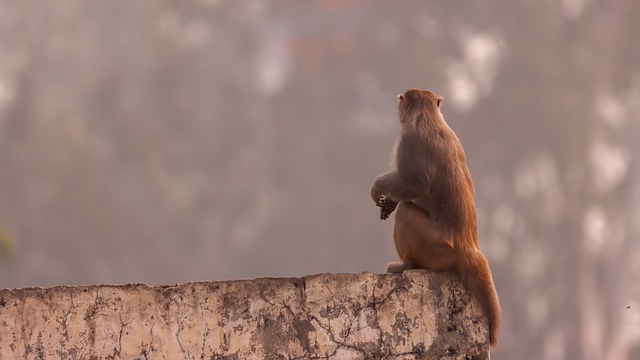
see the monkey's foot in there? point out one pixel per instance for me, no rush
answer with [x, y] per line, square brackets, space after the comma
[396, 267]
[384, 214]
[386, 207]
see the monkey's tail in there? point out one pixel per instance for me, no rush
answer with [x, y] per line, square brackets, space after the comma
[476, 276]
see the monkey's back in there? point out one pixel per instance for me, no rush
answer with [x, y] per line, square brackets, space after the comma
[432, 160]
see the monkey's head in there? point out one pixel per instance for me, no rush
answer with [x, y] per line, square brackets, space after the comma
[414, 101]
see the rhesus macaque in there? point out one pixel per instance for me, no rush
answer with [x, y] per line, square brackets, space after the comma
[431, 191]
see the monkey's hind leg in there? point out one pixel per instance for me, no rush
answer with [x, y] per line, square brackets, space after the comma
[420, 244]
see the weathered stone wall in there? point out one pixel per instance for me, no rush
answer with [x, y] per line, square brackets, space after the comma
[417, 315]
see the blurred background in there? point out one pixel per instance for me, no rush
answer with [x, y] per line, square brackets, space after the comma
[163, 142]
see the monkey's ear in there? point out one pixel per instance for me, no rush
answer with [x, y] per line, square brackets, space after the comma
[440, 98]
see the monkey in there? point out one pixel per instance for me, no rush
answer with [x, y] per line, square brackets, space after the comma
[431, 191]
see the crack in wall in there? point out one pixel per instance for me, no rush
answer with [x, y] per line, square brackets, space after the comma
[63, 323]
[205, 334]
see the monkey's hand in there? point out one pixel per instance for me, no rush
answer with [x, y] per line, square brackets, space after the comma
[380, 193]
[387, 206]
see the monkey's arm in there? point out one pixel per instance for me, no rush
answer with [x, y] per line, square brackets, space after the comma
[387, 191]
[391, 187]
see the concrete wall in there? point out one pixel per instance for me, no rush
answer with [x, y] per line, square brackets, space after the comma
[417, 315]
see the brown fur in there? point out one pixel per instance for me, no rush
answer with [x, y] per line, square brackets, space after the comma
[431, 188]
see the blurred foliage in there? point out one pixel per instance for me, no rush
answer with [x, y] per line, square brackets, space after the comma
[7, 243]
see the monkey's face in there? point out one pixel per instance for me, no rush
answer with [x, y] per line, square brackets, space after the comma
[414, 100]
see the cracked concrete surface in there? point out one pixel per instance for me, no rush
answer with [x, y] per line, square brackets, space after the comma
[416, 315]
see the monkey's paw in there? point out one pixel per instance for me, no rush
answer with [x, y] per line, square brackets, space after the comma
[386, 207]
[384, 214]
[396, 267]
